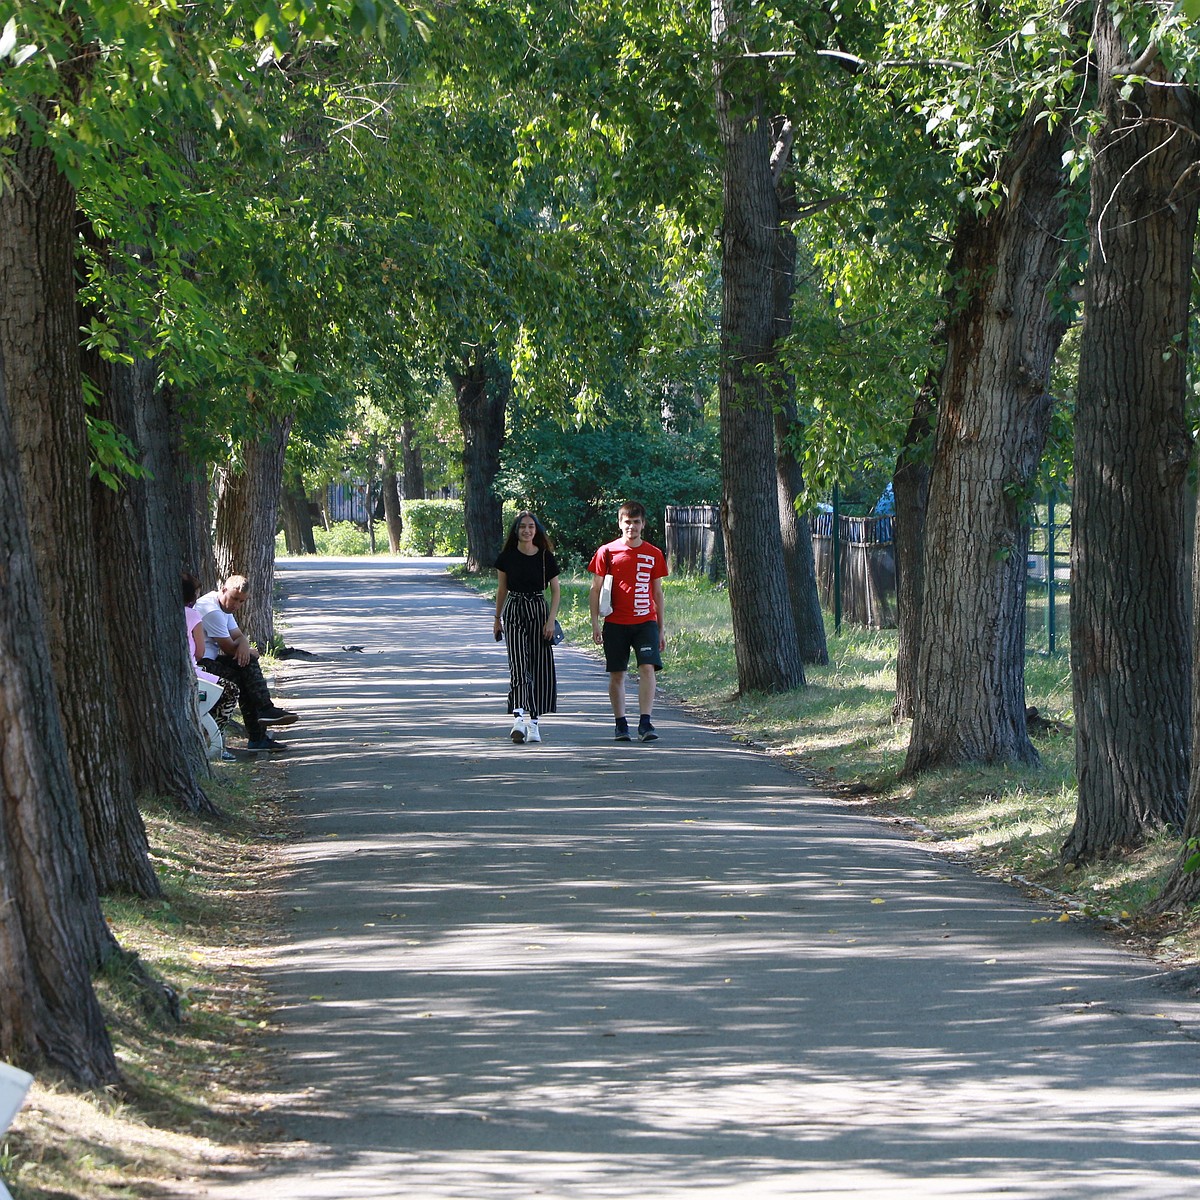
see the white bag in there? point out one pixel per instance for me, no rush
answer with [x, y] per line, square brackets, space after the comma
[606, 588]
[606, 596]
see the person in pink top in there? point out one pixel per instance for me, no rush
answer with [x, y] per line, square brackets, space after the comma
[223, 709]
[636, 622]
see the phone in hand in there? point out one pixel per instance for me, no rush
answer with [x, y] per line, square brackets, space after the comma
[499, 634]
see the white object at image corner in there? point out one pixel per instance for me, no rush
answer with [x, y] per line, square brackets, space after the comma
[14, 1083]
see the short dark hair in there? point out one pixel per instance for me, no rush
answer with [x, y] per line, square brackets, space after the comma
[191, 588]
[632, 508]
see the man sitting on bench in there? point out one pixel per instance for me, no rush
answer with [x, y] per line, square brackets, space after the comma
[228, 654]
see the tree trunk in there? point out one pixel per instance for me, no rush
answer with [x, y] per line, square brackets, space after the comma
[993, 416]
[799, 564]
[295, 514]
[391, 501]
[1182, 888]
[910, 486]
[52, 931]
[414, 470]
[138, 544]
[764, 629]
[481, 390]
[247, 517]
[191, 502]
[1130, 641]
[800, 568]
[39, 337]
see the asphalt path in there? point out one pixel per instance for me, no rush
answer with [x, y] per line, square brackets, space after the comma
[590, 969]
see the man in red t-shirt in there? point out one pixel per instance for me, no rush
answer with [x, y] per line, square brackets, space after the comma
[636, 621]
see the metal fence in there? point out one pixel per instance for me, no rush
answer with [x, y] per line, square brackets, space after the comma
[1048, 580]
[865, 566]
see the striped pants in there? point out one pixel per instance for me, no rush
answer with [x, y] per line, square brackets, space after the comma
[533, 684]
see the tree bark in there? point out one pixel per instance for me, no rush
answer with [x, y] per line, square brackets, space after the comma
[481, 391]
[138, 544]
[993, 416]
[39, 337]
[295, 514]
[247, 517]
[800, 568]
[1182, 888]
[764, 628]
[191, 503]
[52, 930]
[414, 469]
[1130, 641]
[910, 487]
[391, 501]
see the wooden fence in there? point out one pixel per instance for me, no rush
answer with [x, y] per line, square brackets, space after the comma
[694, 542]
[867, 557]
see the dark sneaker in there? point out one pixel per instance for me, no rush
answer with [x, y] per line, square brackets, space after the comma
[276, 716]
[623, 731]
[266, 743]
[646, 732]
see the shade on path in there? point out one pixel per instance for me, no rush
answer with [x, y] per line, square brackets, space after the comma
[586, 969]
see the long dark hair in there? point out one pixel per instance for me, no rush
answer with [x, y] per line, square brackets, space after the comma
[541, 539]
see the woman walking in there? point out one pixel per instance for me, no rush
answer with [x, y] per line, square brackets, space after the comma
[525, 568]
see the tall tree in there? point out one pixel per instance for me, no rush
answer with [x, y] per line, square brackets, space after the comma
[52, 931]
[765, 645]
[1130, 635]
[246, 520]
[482, 386]
[994, 404]
[798, 562]
[40, 343]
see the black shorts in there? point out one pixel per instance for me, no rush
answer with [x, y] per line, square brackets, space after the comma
[620, 639]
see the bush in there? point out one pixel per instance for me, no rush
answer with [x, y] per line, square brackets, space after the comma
[342, 537]
[433, 527]
[575, 479]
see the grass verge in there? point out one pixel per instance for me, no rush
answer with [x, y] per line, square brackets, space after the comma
[839, 733]
[190, 1099]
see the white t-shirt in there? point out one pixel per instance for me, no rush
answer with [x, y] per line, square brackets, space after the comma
[216, 621]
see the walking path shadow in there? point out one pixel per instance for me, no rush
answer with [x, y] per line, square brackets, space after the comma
[589, 970]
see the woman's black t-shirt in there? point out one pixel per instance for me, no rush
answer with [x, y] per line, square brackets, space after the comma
[525, 571]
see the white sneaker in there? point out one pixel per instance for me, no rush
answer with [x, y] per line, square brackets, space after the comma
[520, 729]
[532, 732]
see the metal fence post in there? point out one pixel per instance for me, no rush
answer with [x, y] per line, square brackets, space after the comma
[1050, 573]
[836, 541]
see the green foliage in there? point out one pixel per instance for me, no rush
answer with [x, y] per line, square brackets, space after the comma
[342, 538]
[433, 527]
[576, 479]
[1192, 849]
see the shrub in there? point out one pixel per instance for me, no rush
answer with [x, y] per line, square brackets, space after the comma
[342, 537]
[575, 479]
[433, 527]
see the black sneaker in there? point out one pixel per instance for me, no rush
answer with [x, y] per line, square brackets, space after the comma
[623, 730]
[276, 716]
[646, 732]
[265, 743]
